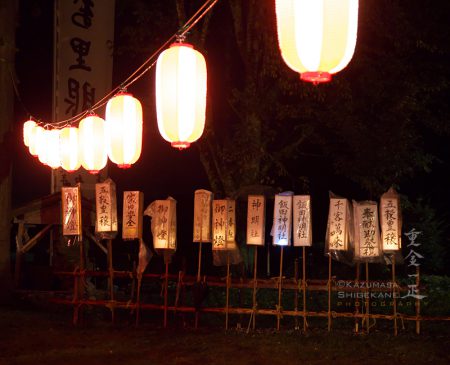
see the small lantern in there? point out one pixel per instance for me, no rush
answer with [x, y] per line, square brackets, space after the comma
[69, 149]
[92, 143]
[28, 127]
[317, 38]
[123, 129]
[41, 148]
[181, 94]
[53, 158]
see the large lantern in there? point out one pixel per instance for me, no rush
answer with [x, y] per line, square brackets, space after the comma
[181, 94]
[69, 149]
[123, 129]
[36, 135]
[317, 38]
[92, 145]
[28, 127]
[41, 145]
[52, 148]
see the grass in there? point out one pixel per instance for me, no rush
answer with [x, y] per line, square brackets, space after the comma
[37, 336]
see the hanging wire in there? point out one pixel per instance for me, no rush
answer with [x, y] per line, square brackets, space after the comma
[138, 73]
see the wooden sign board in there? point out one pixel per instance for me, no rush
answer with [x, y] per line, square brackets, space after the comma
[302, 228]
[133, 202]
[71, 211]
[390, 221]
[282, 220]
[256, 218]
[202, 215]
[367, 236]
[224, 224]
[338, 224]
[164, 224]
[106, 207]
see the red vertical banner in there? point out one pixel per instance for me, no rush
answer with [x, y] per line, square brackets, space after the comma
[83, 61]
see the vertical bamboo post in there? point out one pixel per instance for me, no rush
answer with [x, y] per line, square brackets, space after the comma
[255, 285]
[329, 292]
[166, 285]
[199, 271]
[138, 299]
[418, 300]
[18, 263]
[367, 298]
[357, 299]
[82, 278]
[304, 287]
[296, 293]
[280, 284]
[75, 296]
[111, 279]
[394, 294]
[228, 292]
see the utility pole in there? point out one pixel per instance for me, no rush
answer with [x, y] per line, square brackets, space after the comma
[8, 12]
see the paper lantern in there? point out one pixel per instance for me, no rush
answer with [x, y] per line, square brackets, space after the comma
[28, 135]
[123, 129]
[163, 214]
[366, 228]
[282, 220]
[337, 236]
[53, 158]
[317, 38]
[106, 226]
[302, 227]
[92, 144]
[256, 218]
[224, 224]
[41, 145]
[181, 94]
[36, 140]
[69, 149]
[133, 207]
[202, 216]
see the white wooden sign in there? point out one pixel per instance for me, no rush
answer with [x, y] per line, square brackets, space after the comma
[164, 224]
[223, 223]
[338, 224]
[106, 207]
[282, 220]
[256, 217]
[302, 220]
[202, 216]
[367, 235]
[133, 202]
[390, 221]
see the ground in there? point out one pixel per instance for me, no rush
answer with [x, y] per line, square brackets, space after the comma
[41, 336]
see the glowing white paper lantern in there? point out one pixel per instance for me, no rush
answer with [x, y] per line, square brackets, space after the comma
[302, 220]
[53, 158]
[92, 144]
[69, 149]
[282, 220]
[28, 127]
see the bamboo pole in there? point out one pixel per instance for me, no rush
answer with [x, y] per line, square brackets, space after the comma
[18, 263]
[228, 292]
[305, 324]
[166, 285]
[418, 300]
[255, 285]
[280, 280]
[111, 279]
[367, 298]
[199, 271]
[329, 292]
[394, 291]
[296, 292]
[357, 298]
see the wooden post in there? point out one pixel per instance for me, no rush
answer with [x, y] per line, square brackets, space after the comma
[296, 294]
[255, 284]
[111, 279]
[19, 245]
[329, 292]
[305, 324]
[280, 283]
[394, 293]
[228, 292]
[357, 299]
[166, 285]
[418, 300]
[199, 272]
[367, 299]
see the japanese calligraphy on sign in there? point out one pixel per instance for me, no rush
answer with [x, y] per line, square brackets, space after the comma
[164, 225]
[302, 220]
[390, 218]
[367, 236]
[338, 224]
[282, 220]
[133, 202]
[84, 34]
[202, 216]
[106, 207]
[412, 258]
[71, 211]
[224, 224]
[256, 218]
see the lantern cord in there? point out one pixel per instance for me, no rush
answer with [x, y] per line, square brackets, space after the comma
[141, 70]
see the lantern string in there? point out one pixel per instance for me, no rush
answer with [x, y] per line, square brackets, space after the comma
[140, 71]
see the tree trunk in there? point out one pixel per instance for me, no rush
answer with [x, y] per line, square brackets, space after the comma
[8, 10]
